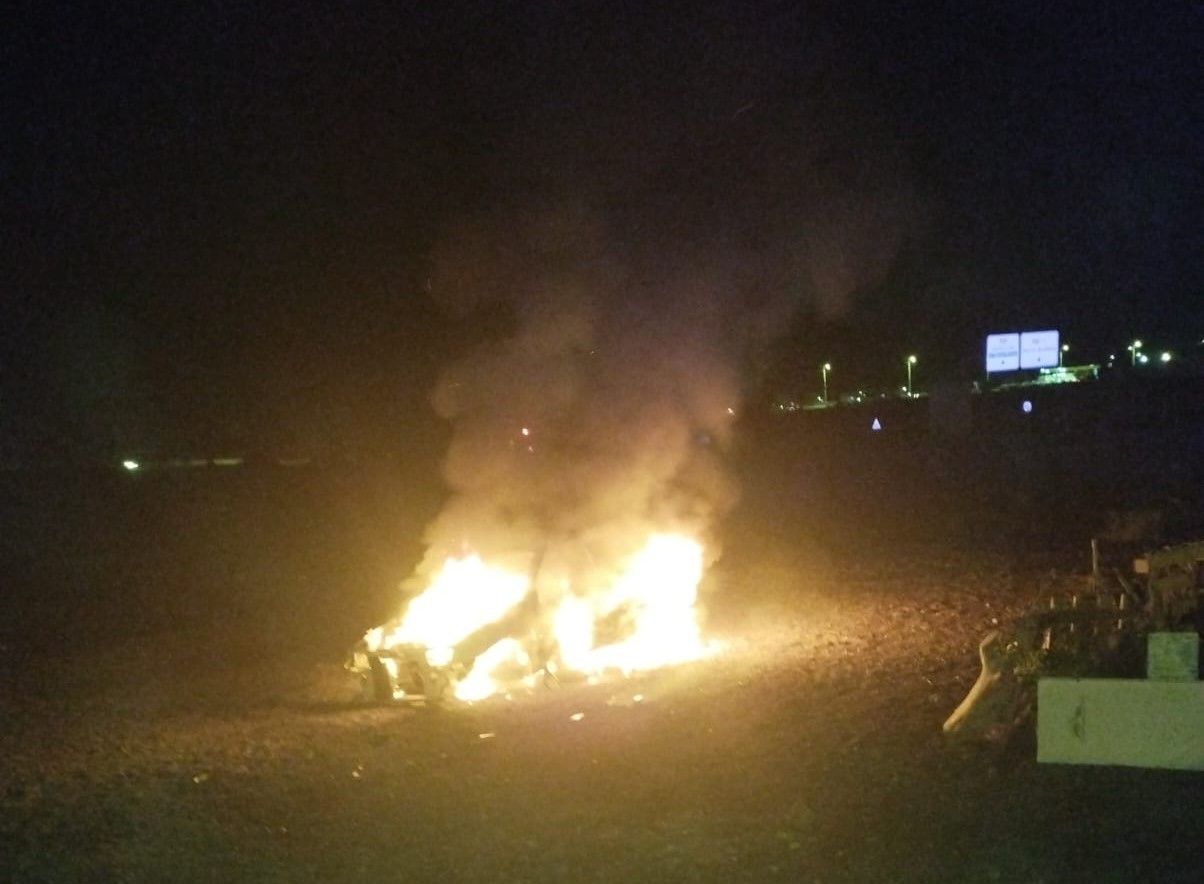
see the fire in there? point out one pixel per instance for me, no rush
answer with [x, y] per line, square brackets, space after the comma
[656, 594]
[489, 672]
[644, 618]
[465, 595]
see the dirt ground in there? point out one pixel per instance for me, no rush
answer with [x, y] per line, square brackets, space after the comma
[808, 749]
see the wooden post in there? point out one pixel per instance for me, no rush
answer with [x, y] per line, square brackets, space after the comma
[1095, 563]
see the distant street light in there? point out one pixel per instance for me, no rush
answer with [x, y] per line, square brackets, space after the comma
[130, 465]
[824, 369]
[1065, 349]
[1134, 352]
[1166, 356]
[911, 360]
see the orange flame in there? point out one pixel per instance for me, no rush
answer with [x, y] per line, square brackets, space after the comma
[646, 618]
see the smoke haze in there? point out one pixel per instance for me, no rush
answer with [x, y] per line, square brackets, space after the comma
[595, 417]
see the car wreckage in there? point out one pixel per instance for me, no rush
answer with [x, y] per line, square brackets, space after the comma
[408, 672]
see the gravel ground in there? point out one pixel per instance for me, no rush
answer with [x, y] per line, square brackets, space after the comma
[809, 749]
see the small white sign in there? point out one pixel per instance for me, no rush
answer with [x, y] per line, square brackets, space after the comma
[1173, 656]
[1003, 352]
[876, 425]
[1039, 349]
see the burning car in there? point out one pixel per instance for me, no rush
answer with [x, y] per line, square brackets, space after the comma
[480, 629]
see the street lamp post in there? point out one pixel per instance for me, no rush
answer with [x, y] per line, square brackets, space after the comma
[1061, 353]
[1134, 353]
[824, 369]
[911, 360]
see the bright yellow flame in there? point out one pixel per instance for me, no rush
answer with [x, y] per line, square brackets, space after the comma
[656, 597]
[489, 674]
[465, 595]
[646, 618]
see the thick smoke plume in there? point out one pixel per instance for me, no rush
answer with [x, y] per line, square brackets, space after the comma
[596, 412]
[599, 407]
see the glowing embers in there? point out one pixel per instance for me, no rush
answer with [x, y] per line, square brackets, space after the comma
[644, 618]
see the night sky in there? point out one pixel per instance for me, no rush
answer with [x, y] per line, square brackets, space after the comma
[221, 223]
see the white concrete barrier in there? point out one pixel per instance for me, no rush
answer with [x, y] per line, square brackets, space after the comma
[1128, 722]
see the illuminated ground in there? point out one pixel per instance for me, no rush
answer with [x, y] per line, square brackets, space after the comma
[809, 751]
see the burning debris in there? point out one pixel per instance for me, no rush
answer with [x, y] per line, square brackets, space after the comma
[589, 416]
[584, 468]
[480, 630]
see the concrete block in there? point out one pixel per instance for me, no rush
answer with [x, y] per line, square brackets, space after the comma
[1126, 722]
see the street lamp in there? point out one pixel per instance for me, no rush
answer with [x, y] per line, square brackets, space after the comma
[911, 360]
[1065, 349]
[824, 369]
[1134, 352]
[1166, 356]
